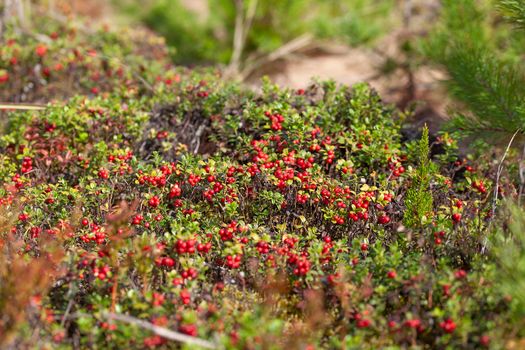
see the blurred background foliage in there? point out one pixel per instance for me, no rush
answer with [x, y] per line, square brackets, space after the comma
[406, 49]
[207, 37]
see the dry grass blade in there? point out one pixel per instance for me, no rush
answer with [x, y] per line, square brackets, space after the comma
[161, 331]
[292, 46]
[21, 106]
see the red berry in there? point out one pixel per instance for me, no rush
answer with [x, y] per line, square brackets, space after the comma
[41, 50]
[448, 325]
[154, 202]
[485, 340]
[391, 274]
[383, 219]
[103, 174]
[456, 218]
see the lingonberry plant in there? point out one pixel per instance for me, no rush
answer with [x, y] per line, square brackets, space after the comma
[249, 220]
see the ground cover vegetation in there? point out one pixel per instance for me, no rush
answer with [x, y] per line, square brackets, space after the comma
[153, 206]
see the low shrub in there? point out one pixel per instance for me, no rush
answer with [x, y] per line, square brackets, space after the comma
[65, 59]
[251, 220]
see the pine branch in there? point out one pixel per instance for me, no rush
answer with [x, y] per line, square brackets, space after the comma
[493, 91]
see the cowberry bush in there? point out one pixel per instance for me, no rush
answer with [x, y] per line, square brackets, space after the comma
[65, 59]
[243, 220]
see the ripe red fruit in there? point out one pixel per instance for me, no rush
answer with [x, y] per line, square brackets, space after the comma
[363, 323]
[484, 340]
[103, 174]
[391, 274]
[154, 202]
[448, 325]
[392, 324]
[413, 323]
[233, 261]
[383, 219]
[364, 247]
[41, 50]
[438, 237]
[190, 329]
[85, 222]
[137, 219]
[185, 296]
[460, 274]
[480, 186]
[456, 218]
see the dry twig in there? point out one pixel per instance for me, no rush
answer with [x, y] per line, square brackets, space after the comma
[161, 331]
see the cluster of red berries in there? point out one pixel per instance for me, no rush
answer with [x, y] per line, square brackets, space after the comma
[175, 191]
[189, 329]
[97, 235]
[185, 296]
[137, 219]
[362, 322]
[262, 247]
[460, 274]
[154, 202]
[185, 246]
[103, 174]
[325, 252]
[165, 261]
[18, 181]
[35, 232]
[210, 193]
[302, 198]
[227, 232]
[27, 165]
[438, 237]
[302, 265]
[154, 341]
[101, 272]
[233, 261]
[395, 165]
[478, 185]
[448, 325]
[190, 273]
[415, 324]
[193, 179]
[158, 299]
[276, 120]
